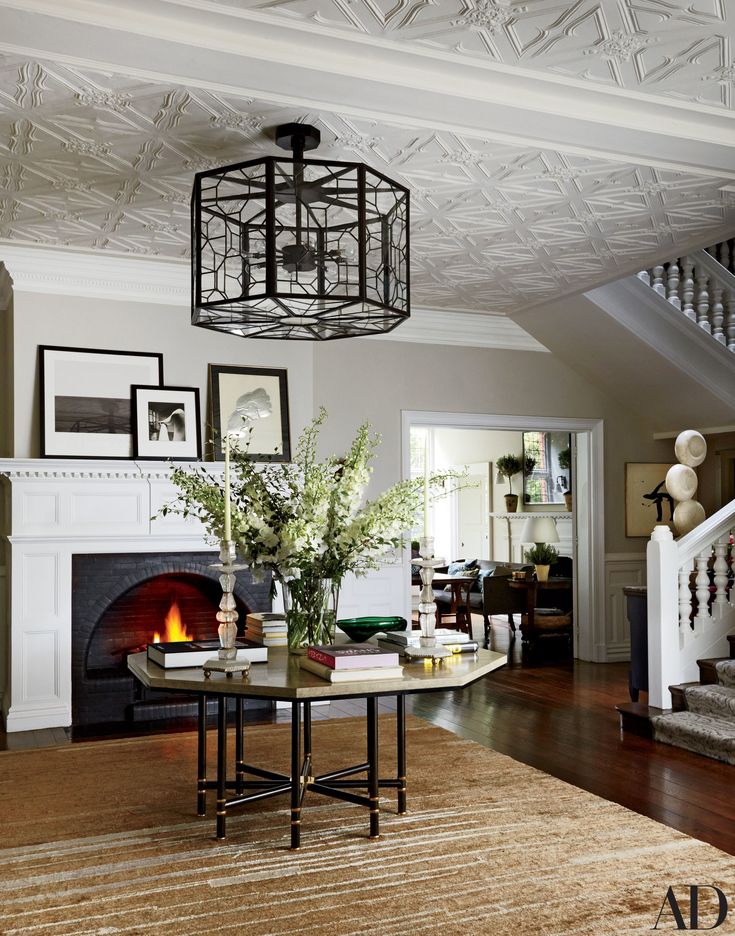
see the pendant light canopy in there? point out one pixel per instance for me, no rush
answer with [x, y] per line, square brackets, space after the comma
[299, 248]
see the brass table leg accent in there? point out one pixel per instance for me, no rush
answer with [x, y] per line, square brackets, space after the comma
[401, 752]
[295, 775]
[373, 775]
[202, 757]
[239, 739]
[221, 766]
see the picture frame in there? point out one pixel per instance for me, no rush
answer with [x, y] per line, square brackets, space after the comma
[85, 399]
[264, 392]
[647, 503]
[166, 423]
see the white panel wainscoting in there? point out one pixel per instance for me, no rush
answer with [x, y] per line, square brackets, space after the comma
[621, 569]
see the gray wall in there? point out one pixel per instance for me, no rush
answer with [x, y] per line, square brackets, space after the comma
[354, 379]
[137, 326]
[375, 380]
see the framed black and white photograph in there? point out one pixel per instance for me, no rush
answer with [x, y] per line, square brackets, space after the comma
[85, 400]
[166, 422]
[252, 403]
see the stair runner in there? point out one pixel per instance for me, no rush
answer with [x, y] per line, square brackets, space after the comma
[707, 726]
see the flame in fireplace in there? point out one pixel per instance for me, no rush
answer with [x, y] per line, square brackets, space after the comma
[175, 629]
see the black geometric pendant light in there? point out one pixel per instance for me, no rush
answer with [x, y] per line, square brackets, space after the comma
[299, 248]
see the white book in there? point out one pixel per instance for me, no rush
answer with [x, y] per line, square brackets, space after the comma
[187, 653]
[443, 635]
[350, 675]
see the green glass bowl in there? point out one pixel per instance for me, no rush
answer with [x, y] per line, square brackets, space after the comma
[360, 628]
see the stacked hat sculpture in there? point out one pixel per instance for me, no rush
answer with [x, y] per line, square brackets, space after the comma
[681, 480]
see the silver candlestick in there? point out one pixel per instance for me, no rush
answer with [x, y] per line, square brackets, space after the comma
[428, 647]
[226, 660]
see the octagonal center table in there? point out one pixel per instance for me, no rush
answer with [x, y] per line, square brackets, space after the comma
[281, 680]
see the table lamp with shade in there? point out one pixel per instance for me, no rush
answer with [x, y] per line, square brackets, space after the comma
[541, 531]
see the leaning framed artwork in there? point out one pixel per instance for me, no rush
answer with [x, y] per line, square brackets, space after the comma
[166, 423]
[252, 402]
[647, 502]
[85, 399]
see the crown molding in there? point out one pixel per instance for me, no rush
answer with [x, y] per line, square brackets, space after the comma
[100, 274]
[96, 273]
[252, 53]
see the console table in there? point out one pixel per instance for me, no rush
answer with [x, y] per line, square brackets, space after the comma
[281, 679]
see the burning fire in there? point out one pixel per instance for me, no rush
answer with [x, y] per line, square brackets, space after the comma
[175, 629]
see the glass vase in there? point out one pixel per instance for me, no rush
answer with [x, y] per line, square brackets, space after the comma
[310, 607]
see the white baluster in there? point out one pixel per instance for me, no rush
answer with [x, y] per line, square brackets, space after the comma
[701, 584]
[658, 280]
[718, 314]
[645, 277]
[729, 303]
[721, 569]
[685, 598]
[672, 284]
[687, 289]
[702, 296]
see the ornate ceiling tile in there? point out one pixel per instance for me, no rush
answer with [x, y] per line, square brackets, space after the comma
[677, 48]
[103, 161]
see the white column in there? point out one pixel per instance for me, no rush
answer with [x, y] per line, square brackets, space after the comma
[687, 288]
[662, 557]
[720, 569]
[672, 284]
[702, 295]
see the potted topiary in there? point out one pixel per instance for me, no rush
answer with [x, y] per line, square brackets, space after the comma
[542, 555]
[565, 463]
[509, 465]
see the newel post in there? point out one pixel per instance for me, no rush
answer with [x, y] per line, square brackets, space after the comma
[662, 561]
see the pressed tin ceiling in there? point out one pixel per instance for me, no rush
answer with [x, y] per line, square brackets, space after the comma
[101, 156]
[683, 49]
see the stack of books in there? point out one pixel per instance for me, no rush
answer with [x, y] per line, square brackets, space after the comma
[268, 628]
[183, 653]
[352, 662]
[454, 640]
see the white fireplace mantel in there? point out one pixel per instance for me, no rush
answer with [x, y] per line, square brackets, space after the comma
[51, 510]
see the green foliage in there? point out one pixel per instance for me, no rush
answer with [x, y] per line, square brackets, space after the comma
[529, 463]
[541, 554]
[309, 517]
[565, 459]
[509, 465]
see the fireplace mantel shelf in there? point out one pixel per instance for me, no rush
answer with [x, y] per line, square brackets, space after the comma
[97, 469]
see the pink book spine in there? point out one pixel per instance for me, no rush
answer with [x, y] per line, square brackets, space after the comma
[320, 657]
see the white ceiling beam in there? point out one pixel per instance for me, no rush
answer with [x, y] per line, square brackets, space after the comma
[245, 53]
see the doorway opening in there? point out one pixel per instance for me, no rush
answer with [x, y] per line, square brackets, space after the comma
[560, 479]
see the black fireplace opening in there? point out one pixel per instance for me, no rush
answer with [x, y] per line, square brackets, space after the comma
[122, 602]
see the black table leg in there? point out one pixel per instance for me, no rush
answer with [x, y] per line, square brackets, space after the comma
[373, 774]
[307, 730]
[401, 752]
[221, 766]
[202, 758]
[239, 739]
[295, 774]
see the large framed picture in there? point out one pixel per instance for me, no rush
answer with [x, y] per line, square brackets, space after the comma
[647, 502]
[251, 401]
[549, 480]
[166, 422]
[85, 399]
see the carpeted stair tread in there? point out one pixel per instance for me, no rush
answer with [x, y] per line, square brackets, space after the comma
[711, 700]
[726, 672]
[711, 735]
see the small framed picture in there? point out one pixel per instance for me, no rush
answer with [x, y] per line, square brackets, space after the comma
[252, 401]
[647, 502]
[166, 423]
[85, 400]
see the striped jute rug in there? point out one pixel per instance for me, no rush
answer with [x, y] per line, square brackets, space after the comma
[100, 839]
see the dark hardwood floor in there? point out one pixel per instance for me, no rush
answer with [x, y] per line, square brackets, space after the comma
[559, 717]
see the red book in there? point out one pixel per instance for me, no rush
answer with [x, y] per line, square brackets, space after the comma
[352, 656]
